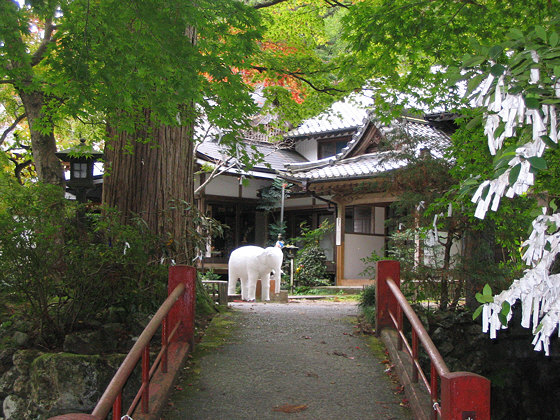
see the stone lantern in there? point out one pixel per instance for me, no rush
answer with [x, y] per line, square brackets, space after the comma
[81, 159]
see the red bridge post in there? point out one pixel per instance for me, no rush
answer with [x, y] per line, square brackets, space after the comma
[465, 395]
[385, 301]
[184, 308]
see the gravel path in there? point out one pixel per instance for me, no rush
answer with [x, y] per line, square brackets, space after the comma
[300, 360]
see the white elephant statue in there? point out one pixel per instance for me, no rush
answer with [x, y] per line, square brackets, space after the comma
[250, 264]
[277, 272]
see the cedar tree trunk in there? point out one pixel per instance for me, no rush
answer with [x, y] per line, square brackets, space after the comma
[154, 180]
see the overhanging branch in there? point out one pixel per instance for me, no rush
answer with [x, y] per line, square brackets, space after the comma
[331, 3]
[47, 39]
[11, 128]
[334, 3]
[268, 4]
[299, 76]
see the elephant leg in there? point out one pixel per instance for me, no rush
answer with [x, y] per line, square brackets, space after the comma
[244, 288]
[251, 287]
[278, 278]
[232, 282]
[265, 287]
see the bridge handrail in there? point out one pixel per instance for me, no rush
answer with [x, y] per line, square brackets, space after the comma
[178, 310]
[462, 394]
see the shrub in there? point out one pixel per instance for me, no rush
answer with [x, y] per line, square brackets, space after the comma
[67, 267]
[367, 303]
[310, 267]
[367, 297]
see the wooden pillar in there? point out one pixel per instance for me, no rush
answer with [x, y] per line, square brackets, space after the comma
[385, 301]
[465, 395]
[339, 240]
[183, 310]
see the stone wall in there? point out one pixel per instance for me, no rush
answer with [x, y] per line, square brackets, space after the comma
[524, 382]
[40, 385]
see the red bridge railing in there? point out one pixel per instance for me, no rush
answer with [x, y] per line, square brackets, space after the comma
[176, 317]
[454, 395]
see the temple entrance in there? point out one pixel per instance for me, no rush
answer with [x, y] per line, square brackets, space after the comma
[246, 226]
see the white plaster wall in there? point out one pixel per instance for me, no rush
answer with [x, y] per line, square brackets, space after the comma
[357, 247]
[327, 243]
[297, 202]
[308, 149]
[227, 186]
[379, 217]
[251, 190]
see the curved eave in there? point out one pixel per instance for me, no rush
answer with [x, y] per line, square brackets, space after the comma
[257, 172]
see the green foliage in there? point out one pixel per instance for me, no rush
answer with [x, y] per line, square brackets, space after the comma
[310, 267]
[68, 267]
[198, 232]
[421, 278]
[275, 230]
[408, 46]
[209, 275]
[486, 297]
[483, 298]
[143, 57]
[367, 297]
[311, 237]
[367, 304]
[370, 263]
[434, 188]
[271, 196]
[298, 58]
[308, 290]
[270, 200]
[515, 55]
[310, 262]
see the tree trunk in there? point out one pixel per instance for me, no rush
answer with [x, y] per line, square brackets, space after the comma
[47, 165]
[444, 285]
[471, 284]
[479, 263]
[154, 180]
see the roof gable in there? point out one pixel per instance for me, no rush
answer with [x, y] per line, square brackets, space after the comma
[359, 160]
[343, 116]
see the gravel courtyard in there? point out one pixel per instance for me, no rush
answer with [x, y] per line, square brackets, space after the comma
[301, 360]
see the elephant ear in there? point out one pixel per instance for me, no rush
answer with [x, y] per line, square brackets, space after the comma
[263, 255]
[268, 253]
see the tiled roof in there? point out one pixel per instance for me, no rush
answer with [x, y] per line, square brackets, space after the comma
[362, 166]
[273, 156]
[341, 167]
[351, 115]
[420, 128]
[343, 115]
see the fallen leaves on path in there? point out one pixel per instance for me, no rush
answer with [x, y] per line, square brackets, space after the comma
[290, 408]
[338, 353]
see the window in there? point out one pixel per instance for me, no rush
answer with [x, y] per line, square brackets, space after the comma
[241, 222]
[359, 219]
[331, 148]
[79, 170]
